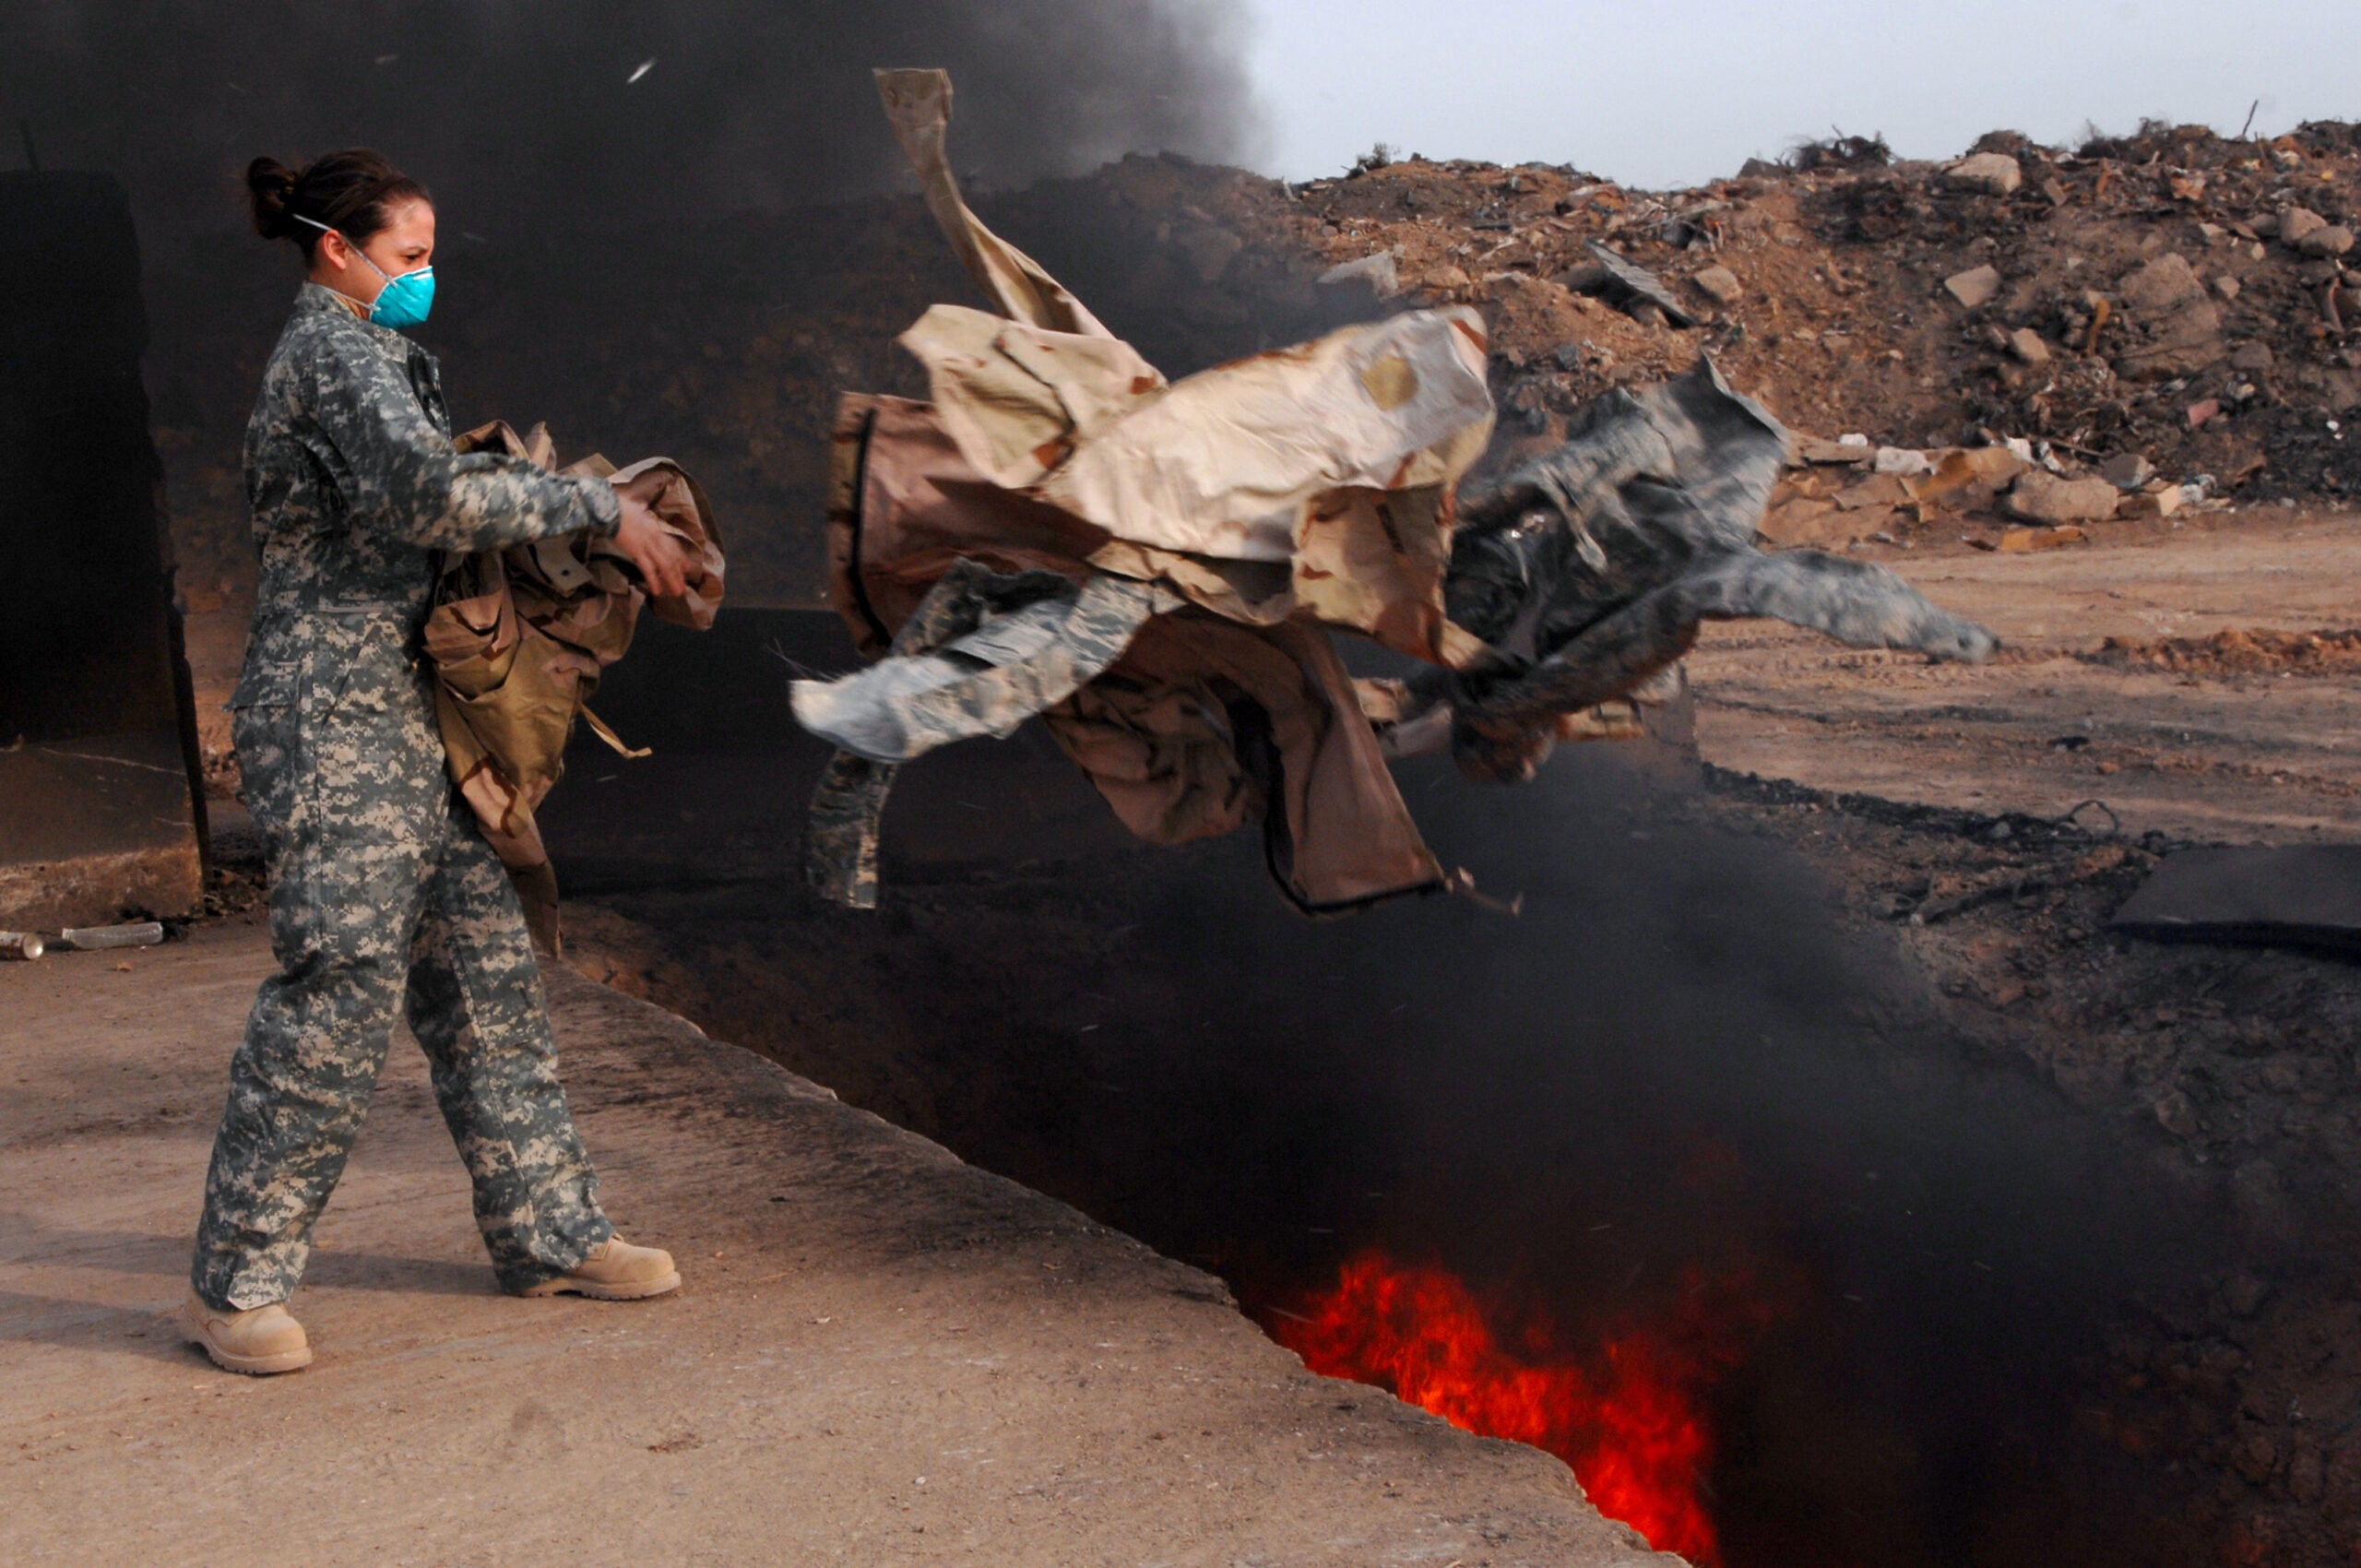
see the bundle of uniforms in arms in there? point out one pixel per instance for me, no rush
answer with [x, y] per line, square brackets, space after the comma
[518, 637]
[1155, 568]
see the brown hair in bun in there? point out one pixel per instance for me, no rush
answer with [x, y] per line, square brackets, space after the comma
[353, 192]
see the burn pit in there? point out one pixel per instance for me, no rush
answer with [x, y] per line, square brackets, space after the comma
[1628, 1414]
[1675, 1152]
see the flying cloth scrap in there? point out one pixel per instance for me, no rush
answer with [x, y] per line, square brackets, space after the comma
[1154, 567]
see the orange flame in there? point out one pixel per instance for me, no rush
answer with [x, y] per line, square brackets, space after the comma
[1629, 1418]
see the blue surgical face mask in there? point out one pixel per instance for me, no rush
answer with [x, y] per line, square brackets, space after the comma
[404, 300]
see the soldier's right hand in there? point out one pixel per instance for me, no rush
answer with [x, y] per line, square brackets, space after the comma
[663, 564]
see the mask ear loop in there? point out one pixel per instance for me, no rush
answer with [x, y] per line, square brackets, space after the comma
[341, 235]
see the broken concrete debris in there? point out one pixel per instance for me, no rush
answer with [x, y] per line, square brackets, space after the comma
[2174, 328]
[1975, 286]
[2297, 224]
[1719, 284]
[2127, 470]
[2029, 346]
[1629, 286]
[2162, 283]
[2333, 240]
[1155, 569]
[1992, 173]
[1381, 273]
[2039, 496]
[1838, 264]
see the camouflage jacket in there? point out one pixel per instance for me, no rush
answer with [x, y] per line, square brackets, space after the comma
[356, 487]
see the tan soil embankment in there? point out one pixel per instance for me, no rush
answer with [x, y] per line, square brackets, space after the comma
[2224, 748]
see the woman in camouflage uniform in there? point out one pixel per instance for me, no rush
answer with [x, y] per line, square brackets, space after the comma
[383, 895]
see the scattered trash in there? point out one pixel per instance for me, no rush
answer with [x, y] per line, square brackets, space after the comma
[2017, 882]
[97, 938]
[20, 944]
[640, 70]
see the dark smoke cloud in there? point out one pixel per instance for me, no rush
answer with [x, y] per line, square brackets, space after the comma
[521, 112]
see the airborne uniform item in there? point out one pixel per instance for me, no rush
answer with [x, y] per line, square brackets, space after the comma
[1155, 568]
[383, 893]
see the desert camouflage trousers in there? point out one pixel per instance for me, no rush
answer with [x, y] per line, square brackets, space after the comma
[383, 896]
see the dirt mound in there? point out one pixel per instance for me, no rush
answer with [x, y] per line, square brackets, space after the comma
[2174, 295]
[2239, 652]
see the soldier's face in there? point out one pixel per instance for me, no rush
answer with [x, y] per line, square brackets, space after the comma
[404, 244]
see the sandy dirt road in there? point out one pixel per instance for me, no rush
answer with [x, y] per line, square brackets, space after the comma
[881, 1355]
[2263, 756]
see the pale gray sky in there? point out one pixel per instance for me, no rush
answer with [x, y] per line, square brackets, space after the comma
[1674, 92]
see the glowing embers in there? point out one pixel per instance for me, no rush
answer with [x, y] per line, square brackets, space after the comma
[1628, 1414]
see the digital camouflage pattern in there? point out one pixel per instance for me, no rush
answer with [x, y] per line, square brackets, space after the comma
[383, 894]
[1590, 569]
[980, 655]
[983, 652]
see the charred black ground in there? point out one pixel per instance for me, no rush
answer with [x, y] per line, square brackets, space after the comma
[1685, 1056]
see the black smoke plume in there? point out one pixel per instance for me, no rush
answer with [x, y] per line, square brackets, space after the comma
[539, 112]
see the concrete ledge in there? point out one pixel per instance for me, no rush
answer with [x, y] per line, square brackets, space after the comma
[96, 829]
[881, 1354]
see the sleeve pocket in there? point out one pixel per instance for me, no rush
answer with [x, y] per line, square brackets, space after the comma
[268, 684]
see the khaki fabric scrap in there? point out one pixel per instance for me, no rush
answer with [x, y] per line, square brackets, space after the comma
[918, 104]
[1202, 724]
[1330, 465]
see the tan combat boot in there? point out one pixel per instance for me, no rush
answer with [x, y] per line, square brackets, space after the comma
[259, 1341]
[615, 1271]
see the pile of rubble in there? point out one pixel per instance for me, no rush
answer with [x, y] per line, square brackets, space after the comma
[2047, 337]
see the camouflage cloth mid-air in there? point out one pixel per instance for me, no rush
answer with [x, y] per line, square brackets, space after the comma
[1254, 509]
[1589, 569]
[383, 894]
[981, 654]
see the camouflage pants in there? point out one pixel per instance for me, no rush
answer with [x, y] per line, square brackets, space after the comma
[383, 896]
